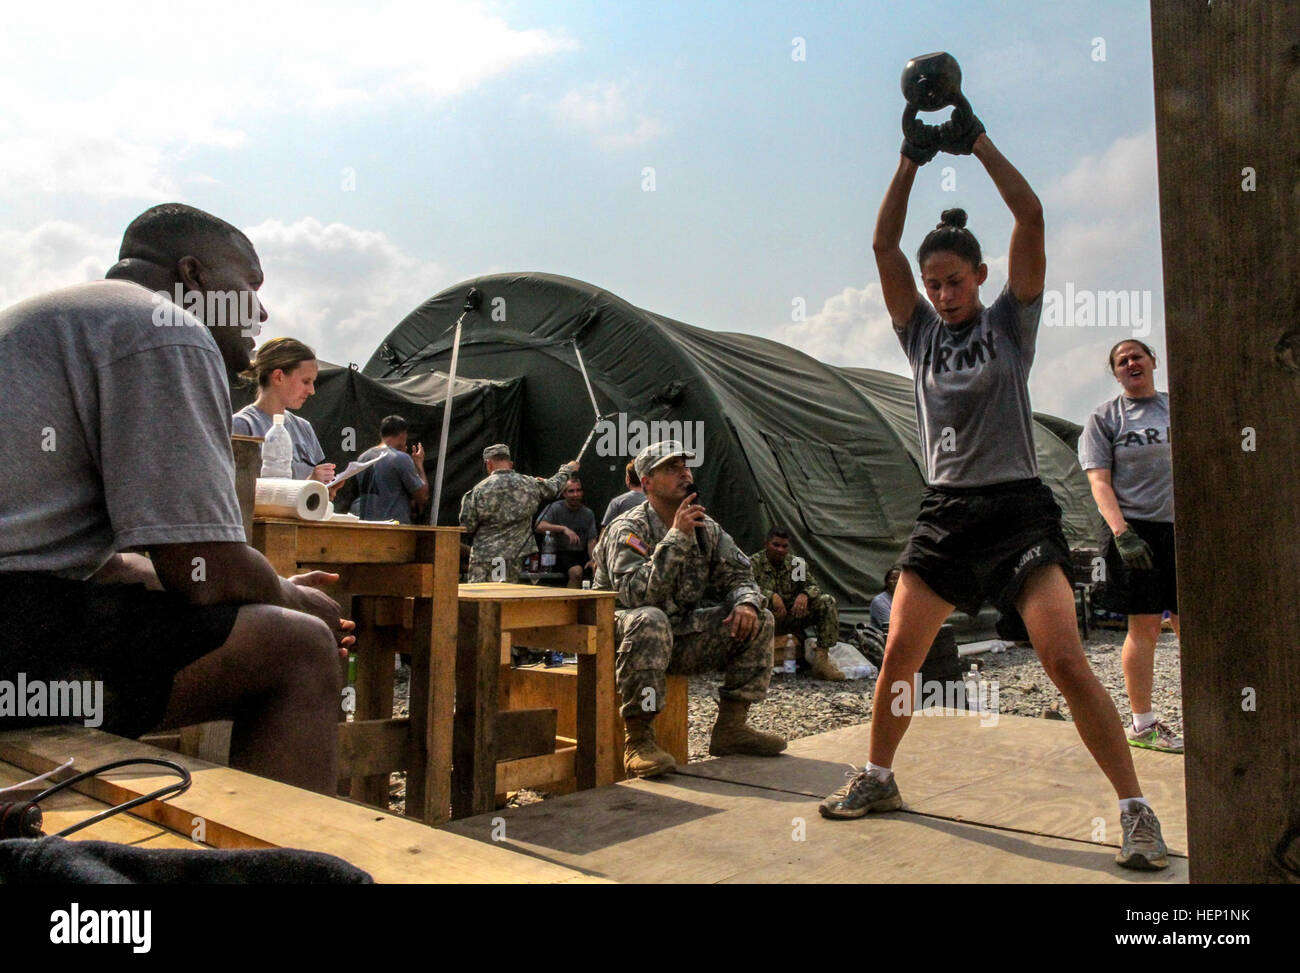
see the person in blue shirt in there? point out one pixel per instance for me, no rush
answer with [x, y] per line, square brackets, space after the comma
[389, 489]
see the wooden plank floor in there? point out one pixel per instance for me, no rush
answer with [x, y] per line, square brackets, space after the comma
[243, 811]
[1015, 802]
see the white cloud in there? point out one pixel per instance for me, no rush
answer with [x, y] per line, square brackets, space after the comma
[852, 328]
[1122, 179]
[52, 255]
[604, 113]
[111, 102]
[338, 288]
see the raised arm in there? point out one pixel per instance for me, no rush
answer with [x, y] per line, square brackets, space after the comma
[896, 280]
[1026, 260]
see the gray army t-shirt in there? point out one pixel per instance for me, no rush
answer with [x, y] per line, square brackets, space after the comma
[1130, 437]
[386, 488]
[972, 392]
[116, 432]
[621, 504]
[307, 452]
[581, 521]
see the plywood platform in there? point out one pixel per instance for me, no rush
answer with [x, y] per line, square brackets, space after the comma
[1020, 801]
[239, 810]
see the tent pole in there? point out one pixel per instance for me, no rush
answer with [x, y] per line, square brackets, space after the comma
[583, 368]
[472, 301]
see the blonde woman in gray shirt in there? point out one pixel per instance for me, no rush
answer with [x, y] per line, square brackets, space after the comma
[285, 371]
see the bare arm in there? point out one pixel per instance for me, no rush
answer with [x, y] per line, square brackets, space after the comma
[896, 280]
[545, 525]
[1104, 495]
[128, 569]
[1026, 260]
[228, 572]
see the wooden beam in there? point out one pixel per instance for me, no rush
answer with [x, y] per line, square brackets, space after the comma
[601, 758]
[524, 733]
[373, 747]
[406, 580]
[478, 649]
[537, 613]
[1227, 94]
[511, 775]
[569, 639]
[207, 741]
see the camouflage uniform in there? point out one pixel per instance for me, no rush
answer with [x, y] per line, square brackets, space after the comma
[498, 519]
[822, 611]
[667, 622]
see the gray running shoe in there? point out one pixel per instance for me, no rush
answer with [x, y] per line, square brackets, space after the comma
[1158, 736]
[1144, 848]
[863, 793]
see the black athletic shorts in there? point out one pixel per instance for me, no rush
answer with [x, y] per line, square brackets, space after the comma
[1140, 592]
[568, 559]
[972, 544]
[131, 639]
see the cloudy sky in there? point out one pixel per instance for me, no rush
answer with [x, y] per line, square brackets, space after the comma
[378, 157]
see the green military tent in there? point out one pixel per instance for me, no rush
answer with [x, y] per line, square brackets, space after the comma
[348, 407]
[829, 453]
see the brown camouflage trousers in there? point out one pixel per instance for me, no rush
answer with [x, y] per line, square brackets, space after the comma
[649, 647]
[822, 612]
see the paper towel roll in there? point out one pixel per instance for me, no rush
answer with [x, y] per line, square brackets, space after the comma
[301, 499]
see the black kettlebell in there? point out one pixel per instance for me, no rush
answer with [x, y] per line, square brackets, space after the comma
[930, 82]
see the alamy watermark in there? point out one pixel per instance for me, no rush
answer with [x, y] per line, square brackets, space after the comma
[934, 697]
[1081, 308]
[213, 309]
[627, 437]
[64, 699]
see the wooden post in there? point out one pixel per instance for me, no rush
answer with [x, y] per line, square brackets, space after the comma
[1227, 87]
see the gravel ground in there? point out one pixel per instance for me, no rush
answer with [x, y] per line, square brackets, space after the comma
[797, 706]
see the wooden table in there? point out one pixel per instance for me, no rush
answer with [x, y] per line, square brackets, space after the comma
[403, 583]
[497, 748]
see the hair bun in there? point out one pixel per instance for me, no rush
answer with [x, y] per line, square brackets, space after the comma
[952, 217]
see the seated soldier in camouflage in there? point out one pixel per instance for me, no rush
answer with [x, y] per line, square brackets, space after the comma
[796, 600]
[664, 624]
[498, 515]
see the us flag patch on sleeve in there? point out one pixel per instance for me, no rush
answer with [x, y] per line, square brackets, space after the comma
[637, 545]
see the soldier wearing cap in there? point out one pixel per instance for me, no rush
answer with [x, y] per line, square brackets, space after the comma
[651, 557]
[497, 515]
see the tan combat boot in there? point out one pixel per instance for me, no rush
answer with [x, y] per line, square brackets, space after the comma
[642, 756]
[823, 667]
[732, 735]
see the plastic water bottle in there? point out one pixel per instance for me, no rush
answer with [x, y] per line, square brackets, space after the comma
[277, 451]
[548, 551]
[973, 688]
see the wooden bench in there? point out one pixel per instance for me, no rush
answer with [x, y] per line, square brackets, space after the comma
[499, 746]
[225, 808]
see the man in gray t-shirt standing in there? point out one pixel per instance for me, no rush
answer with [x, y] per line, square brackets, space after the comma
[389, 488]
[117, 441]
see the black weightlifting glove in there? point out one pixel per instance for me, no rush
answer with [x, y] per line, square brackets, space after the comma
[957, 135]
[1134, 550]
[920, 141]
